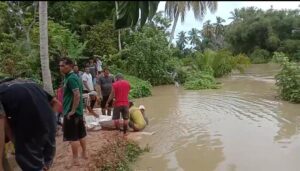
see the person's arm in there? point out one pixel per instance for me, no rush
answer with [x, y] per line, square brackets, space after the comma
[73, 84]
[111, 96]
[99, 89]
[2, 135]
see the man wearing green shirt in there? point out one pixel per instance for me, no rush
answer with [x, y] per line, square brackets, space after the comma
[73, 125]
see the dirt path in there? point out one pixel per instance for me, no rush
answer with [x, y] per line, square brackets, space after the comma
[95, 142]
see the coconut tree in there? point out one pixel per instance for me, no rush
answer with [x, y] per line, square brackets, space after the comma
[208, 30]
[182, 40]
[43, 24]
[194, 36]
[128, 13]
[174, 9]
[219, 27]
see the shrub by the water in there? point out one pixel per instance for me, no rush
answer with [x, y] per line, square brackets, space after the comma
[278, 57]
[201, 80]
[288, 81]
[139, 88]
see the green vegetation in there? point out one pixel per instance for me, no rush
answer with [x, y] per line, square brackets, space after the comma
[288, 81]
[144, 54]
[139, 88]
[118, 156]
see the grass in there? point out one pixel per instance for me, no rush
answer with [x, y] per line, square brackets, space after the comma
[118, 156]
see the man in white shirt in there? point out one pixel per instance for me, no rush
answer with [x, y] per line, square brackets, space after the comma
[87, 80]
[88, 87]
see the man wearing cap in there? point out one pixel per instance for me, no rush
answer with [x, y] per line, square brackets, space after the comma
[120, 92]
[136, 118]
[142, 109]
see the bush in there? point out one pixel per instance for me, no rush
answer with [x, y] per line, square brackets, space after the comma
[288, 81]
[147, 55]
[201, 80]
[102, 39]
[139, 88]
[278, 57]
[260, 56]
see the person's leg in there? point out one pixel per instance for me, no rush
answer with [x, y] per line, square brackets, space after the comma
[83, 146]
[125, 115]
[103, 103]
[70, 133]
[116, 117]
[110, 104]
[82, 136]
[75, 146]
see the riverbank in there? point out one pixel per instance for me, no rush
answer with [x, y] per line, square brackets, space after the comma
[107, 150]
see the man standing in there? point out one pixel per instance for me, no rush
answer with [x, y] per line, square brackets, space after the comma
[77, 71]
[73, 125]
[93, 69]
[120, 91]
[105, 86]
[90, 98]
[27, 118]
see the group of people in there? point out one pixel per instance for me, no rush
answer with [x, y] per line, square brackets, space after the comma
[27, 113]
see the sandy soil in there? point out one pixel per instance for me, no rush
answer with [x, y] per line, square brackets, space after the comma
[95, 142]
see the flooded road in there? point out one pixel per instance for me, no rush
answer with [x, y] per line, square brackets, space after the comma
[242, 126]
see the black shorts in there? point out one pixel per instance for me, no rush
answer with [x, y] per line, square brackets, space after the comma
[124, 110]
[74, 128]
[104, 101]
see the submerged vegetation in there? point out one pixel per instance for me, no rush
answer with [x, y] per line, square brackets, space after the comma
[288, 81]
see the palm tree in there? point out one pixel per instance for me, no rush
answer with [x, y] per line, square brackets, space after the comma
[182, 40]
[119, 31]
[208, 30]
[43, 24]
[128, 13]
[194, 36]
[235, 15]
[219, 27]
[175, 8]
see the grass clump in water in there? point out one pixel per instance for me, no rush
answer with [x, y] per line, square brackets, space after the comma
[201, 80]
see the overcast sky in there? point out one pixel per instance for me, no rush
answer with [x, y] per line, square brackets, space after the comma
[224, 9]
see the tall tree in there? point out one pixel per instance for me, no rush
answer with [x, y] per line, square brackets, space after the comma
[174, 9]
[119, 31]
[194, 36]
[43, 24]
[129, 13]
[208, 30]
[219, 27]
[182, 40]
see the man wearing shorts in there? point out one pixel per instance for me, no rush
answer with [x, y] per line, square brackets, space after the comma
[73, 127]
[105, 85]
[28, 120]
[120, 92]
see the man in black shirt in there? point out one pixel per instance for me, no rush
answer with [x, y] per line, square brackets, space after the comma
[30, 123]
[105, 85]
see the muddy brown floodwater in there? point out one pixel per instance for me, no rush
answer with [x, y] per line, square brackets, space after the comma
[240, 127]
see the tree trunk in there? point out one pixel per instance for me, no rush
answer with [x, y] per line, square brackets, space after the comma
[173, 29]
[119, 31]
[119, 40]
[43, 24]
